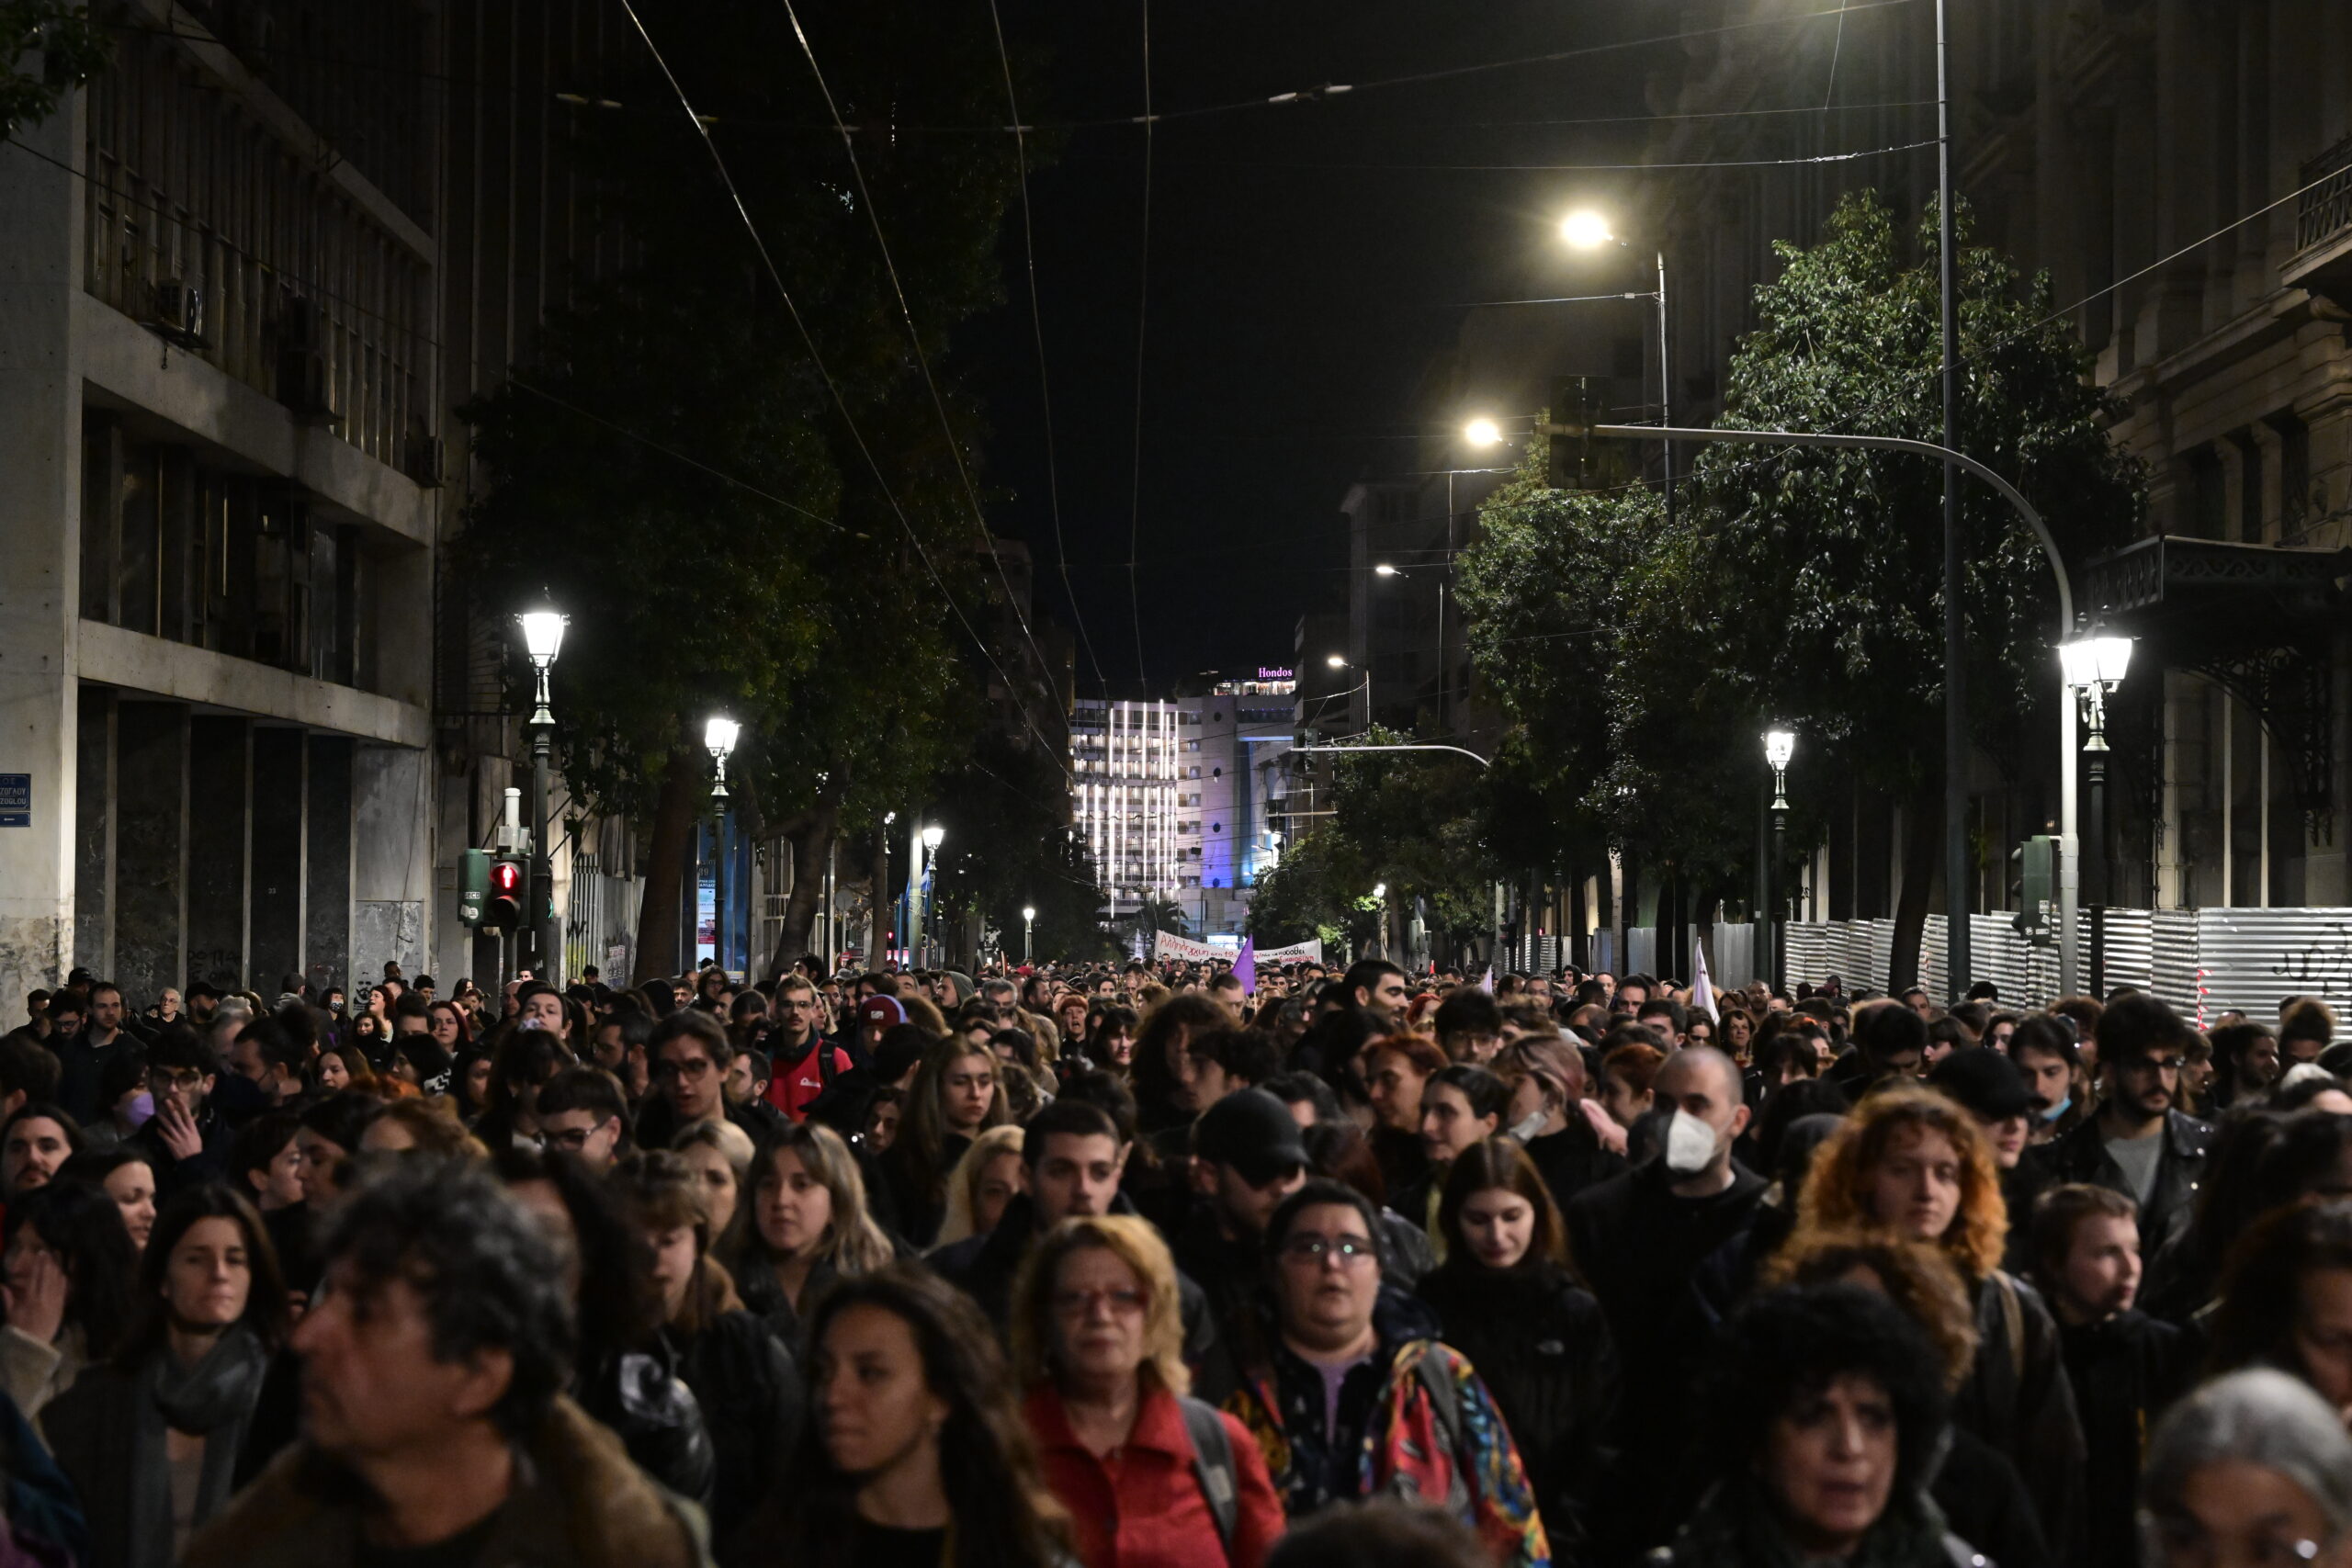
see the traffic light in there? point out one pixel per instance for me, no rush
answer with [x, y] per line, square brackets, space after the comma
[1575, 459]
[2033, 883]
[474, 884]
[503, 909]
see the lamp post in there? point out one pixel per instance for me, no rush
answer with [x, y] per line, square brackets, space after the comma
[2094, 667]
[718, 734]
[1028, 928]
[1589, 230]
[543, 627]
[1780, 746]
[931, 835]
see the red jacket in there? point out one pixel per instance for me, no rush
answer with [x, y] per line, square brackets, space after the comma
[1141, 1507]
[791, 1086]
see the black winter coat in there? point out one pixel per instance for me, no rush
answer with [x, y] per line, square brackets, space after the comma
[1541, 1346]
[752, 1401]
[2018, 1400]
[2124, 1373]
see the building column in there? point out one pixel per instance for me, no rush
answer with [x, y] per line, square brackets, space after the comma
[40, 503]
[220, 849]
[391, 870]
[151, 849]
[274, 949]
[92, 883]
[326, 865]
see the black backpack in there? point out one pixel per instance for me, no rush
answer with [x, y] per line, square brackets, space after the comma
[1212, 1466]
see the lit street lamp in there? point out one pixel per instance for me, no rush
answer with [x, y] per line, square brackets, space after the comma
[933, 834]
[1589, 230]
[1028, 925]
[1482, 431]
[719, 738]
[1384, 570]
[1780, 746]
[2094, 667]
[543, 626]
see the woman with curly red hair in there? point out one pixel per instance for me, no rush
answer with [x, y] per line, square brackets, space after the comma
[1911, 1162]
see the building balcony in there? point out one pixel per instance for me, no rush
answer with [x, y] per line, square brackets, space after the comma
[2322, 258]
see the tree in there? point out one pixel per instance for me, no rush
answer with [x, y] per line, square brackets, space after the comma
[1317, 889]
[699, 492]
[1803, 584]
[1844, 547]
[73, 49]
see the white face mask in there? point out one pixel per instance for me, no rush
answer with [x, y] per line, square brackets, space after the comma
[1690, 1145]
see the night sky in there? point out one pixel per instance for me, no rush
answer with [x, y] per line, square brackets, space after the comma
[1304, 277]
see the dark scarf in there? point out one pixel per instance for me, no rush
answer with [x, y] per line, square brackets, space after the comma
[1736, 1524]
[214, 1400]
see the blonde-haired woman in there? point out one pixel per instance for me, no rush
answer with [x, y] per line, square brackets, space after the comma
[1148, 1474]
[803, 1224]
[983, 1182]
[1911, 1163]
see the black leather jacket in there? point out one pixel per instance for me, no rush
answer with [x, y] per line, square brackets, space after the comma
[640, 1396]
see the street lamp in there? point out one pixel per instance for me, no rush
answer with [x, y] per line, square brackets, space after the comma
[1028, 924]
[718, 734]
[1780, 746]
[1335, 661]
[543, 627]
[1384, 570]
[2094, 667]
[1482, 431]
[1586, 230]
[933, 834]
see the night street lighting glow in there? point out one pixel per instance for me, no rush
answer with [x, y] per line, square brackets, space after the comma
[718, 734]
[2101, 659]
[1384, 569]
[931, 835]
[1778, 747]
[1482, 433]
[1585, 231]
[1336, 662]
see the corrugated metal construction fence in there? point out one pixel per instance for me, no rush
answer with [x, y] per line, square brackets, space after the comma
[2201, 961]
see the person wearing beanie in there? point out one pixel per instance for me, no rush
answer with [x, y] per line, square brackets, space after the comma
[1988, 1087]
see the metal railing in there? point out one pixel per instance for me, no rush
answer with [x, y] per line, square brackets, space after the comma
[2325, 210]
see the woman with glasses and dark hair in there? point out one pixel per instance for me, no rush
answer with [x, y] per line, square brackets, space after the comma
[1821, 1429]
[1409, 1415]
[1509, 1302]
[915, 1455]
[1148, 1474]
[150, 1439]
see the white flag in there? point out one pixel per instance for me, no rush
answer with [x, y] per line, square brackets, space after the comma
[1702, 993]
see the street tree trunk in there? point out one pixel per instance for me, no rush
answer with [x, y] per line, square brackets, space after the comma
[810, 834]
[665, 869]
[1923, 828]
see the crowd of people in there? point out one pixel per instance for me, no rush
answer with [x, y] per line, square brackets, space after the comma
[1163, 1266]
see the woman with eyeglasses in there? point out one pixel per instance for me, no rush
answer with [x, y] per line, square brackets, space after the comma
[2252, 1470]
[1412, 1418]
[1148, 1475]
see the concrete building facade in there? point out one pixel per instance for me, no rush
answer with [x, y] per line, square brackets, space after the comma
[217, 454]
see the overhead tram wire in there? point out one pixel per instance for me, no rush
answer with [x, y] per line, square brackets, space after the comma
[1143, 317]
[922, 360]
[816, 358]
[1038, 328]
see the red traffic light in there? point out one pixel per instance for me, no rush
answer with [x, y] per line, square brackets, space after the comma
[506, 876]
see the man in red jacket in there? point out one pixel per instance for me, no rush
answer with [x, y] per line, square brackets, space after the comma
[801, 1061]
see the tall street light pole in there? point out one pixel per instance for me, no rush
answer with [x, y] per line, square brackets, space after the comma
[1780, 746]
[1028, 928]
[718, 734]
[931, 836]
[543, 627]
[1585, 231]
[1957, 902]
